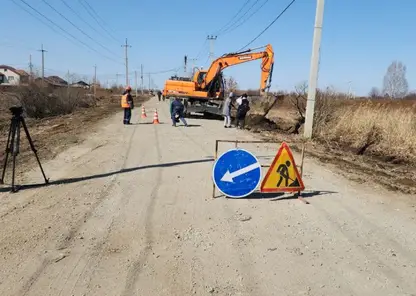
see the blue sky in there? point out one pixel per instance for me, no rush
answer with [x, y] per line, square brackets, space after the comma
[360, 38]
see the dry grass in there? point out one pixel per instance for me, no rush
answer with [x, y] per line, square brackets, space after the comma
[375, 128]
[378, 127]
[44, 102]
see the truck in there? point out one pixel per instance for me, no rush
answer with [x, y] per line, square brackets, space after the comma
[204, 91]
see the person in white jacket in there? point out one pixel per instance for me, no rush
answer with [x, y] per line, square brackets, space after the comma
[241, 98]
[226, 110]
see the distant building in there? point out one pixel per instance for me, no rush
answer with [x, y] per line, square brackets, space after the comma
[56, 80]
[53, 81]
[12, 76]
[80, 84]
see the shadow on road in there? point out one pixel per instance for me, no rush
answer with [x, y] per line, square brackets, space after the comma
[283, 196]
[141, 123]
[104, 175]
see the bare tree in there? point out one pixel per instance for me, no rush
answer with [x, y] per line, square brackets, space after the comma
[395, 84]
[300, 97]
[374, 93]
[231, 84]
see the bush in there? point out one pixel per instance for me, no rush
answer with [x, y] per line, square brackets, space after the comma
[45, 102]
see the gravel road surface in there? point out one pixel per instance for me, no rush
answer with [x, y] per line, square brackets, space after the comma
[129, 212]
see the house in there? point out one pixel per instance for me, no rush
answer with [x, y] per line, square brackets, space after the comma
[80, 84]
[12, 76]
[53, 81]
[56, 80]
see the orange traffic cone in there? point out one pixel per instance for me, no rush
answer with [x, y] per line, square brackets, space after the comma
[156, 118]
[143, 112]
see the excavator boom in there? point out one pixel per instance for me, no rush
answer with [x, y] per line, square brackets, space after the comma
[233, 59]
[204, 92]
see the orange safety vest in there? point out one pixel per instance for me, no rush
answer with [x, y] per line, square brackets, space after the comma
[124, 102]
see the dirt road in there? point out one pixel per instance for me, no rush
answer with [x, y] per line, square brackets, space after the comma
[129, 212]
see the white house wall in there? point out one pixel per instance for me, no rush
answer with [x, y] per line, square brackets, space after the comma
[11, 78]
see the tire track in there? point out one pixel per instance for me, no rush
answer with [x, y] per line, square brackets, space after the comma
[74, 229]
[245, 261]
[137, 266]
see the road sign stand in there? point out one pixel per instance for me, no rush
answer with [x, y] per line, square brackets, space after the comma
[237, 142]
[302, 157]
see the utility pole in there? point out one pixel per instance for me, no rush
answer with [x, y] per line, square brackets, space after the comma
[141, 77]
[95, 81]
[185, 60]
[193, 60]
[135, 81]
[67, 84]
[211, 38]
[30, 68]
[313, 75]
[67, 80]
[127, 62]
[149, 83]
[43, 64]
[349, 90]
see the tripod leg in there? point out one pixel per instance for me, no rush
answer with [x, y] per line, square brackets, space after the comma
[15, 149]
[7, 151]
[32, 146]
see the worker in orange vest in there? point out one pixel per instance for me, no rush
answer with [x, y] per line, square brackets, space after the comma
[127, 104]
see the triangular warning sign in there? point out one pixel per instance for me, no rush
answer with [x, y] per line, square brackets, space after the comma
[283, 175]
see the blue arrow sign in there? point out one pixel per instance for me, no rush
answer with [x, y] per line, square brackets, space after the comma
[236, 173]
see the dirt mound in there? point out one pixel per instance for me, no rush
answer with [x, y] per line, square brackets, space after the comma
[258, 123]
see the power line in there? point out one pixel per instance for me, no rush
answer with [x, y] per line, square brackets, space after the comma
[231, 20]
[63, 30]
[164, 71]
[261, 33]
[75, 26]
[241, 17]
[245, 20]
[39, 19]
[202, 48]
[95, 12]
[161, 71]
[82, 19]
[91, 12]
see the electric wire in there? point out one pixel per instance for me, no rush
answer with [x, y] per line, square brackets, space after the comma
[265, 29]
[241, 17]
[75, 26]
[39, 19]
[202, 49]
[245, 20]
[82, 19]
[65, 31]
[91, 12]
[163, 71]
[231, 20]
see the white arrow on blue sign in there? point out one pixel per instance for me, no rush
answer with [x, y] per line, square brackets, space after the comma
[236, 173]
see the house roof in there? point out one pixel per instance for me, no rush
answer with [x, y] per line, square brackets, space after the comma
[50, 81]
[56, 79]
[81, 83]
[17, 71]
[22, 72]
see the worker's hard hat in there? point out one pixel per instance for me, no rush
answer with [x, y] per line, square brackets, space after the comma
[128, 88]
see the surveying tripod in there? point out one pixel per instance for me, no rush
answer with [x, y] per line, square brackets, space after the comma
[13, 142]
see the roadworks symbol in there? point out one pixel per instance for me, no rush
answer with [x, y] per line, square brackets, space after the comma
[283, 175]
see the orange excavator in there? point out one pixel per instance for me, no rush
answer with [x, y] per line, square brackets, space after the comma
[204, 92]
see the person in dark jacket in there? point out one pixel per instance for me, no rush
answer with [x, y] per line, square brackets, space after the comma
[159, 94]
[242, 110]
[176, 112]
[127, 104]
